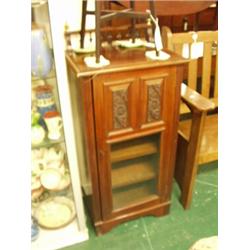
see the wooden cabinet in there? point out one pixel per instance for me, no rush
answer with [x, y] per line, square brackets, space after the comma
[126, 117]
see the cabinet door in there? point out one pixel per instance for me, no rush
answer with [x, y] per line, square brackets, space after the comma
[135, 115]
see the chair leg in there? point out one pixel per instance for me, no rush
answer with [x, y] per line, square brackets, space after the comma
[190, 159]
[97, 30]
[181, 154]
[84, 9]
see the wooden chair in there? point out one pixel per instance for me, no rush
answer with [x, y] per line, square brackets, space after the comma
[198, 130]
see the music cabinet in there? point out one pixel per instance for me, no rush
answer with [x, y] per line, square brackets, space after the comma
[126, 117]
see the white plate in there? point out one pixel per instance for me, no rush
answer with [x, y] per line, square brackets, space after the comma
[50, 178]
[64, 183]
[55, 212]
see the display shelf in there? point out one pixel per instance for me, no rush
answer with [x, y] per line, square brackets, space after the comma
[55, 239]
[47, 194]
[51, 75]
[48, 143]
[131, 173]
[132, 149]
[54, 167]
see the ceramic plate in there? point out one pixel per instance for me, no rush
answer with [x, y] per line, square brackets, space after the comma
[55, 212]
[50, 178]
[64, 183]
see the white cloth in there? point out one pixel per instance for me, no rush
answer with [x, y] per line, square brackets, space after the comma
[157, 36]
[91, 62]
[152, 55]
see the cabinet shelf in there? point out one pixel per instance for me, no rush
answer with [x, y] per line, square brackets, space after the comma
[129, 150]
[133, 173]
[134, 194]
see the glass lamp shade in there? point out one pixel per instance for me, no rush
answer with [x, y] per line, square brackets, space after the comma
[41, 54]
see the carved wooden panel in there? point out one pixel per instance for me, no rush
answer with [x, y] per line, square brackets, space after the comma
[120, 108]
[117, 107]
[154, 102]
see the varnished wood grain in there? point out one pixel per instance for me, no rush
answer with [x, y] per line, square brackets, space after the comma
[121, 60]
[132, 73]
[171, 7]
[158, 210]
[130, 150]
[82, 104]
[209, 143]
[132, 173]
[198, 136]
[195, 100]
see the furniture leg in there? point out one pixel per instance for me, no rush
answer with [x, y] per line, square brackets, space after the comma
[186, 167]
[97, 31]
[84, 8]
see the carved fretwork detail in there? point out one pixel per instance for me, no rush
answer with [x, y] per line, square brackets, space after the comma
[154, 102]
[120, 108]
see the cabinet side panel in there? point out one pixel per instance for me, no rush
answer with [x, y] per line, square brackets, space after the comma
[172, 97]
[82, 105]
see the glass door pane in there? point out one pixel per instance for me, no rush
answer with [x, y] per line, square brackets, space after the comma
[135, 167]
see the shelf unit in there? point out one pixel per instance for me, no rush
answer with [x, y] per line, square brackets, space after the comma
[45, 155]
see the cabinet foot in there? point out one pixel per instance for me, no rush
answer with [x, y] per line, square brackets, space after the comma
[106, 225]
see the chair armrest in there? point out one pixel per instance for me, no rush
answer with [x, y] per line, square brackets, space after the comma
[194, 100]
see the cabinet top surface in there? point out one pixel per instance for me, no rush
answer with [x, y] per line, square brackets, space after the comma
[120, 60]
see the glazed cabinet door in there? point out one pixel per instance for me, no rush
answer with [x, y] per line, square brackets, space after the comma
[133, 118]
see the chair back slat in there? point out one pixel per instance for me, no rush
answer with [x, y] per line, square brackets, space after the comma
[202, 72]
[216, 77]
[207, 36]
[192, 74]
[181, 38]
[206, 69]
[178, 48]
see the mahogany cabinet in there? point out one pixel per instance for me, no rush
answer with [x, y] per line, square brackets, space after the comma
[126, 117]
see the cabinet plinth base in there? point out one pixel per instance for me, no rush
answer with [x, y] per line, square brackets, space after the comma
[103, 227]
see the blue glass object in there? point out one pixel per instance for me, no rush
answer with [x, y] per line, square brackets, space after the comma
[41, 54]
[34, 229]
